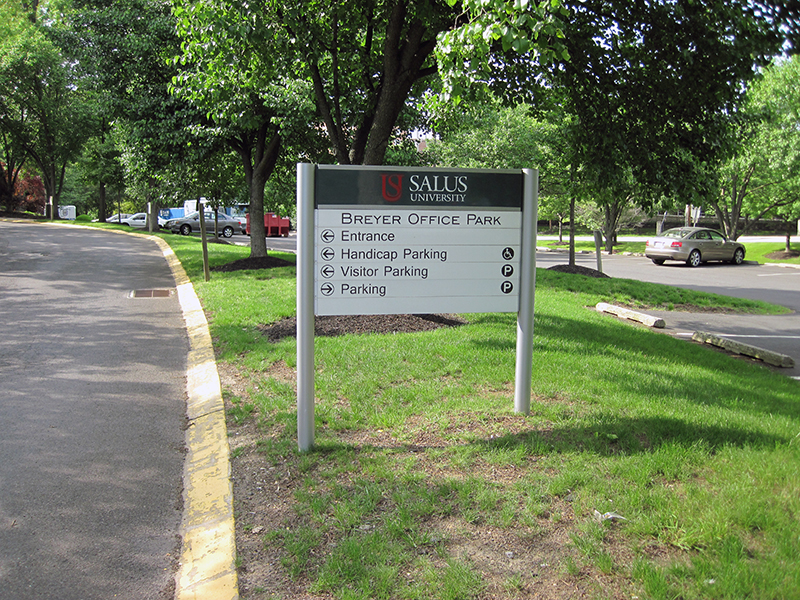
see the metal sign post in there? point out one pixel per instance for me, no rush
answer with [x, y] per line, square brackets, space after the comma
[305, 306]
[392, 240]
[524, 367]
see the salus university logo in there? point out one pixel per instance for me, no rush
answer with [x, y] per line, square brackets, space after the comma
[391, 186]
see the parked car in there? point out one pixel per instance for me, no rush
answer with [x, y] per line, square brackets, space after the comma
[186, 225]
[114, 218]
[693, 245]
[241, 216]
[139, 220]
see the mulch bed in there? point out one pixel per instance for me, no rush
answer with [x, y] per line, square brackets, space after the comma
[331, 326]
[783, 255]
[253, 263]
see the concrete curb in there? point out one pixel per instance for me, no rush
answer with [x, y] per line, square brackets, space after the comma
[768, 356]
[207, 568]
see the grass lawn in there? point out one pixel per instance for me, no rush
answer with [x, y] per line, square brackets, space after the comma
[425, 484]
[649, 467]
[760, 252]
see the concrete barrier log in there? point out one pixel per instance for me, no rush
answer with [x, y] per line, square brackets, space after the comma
[625, 313]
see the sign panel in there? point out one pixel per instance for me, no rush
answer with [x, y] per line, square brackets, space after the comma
[382, 240]
[391, 241]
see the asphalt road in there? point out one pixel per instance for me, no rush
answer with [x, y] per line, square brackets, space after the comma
[775, 284]
[92, 412]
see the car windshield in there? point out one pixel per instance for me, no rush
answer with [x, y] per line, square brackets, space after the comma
[673, 233]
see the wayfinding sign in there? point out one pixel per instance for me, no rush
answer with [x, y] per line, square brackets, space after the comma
[391, 241]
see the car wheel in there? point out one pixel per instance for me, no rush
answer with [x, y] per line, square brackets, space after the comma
[694, 259]
[186, 229]
[738, 257]
[227, 231]
[658, 261]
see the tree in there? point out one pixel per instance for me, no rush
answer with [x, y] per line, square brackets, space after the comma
[29, 193]
[762, 178]
[235, 68]
[652, 86]
[124, 51]
[43, 112]
[99, 166]
[12, 116]
[488, 136]
[364, 60]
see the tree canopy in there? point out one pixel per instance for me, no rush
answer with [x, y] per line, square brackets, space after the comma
[646, 92]
[44, 111]
[762, 176]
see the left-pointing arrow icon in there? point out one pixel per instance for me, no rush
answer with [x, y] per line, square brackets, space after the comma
[327, 271]
[327, 253]
[327, 236]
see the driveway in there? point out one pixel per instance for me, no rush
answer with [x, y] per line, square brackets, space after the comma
[91, 417]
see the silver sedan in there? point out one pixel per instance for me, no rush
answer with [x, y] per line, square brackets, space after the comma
[693, 245]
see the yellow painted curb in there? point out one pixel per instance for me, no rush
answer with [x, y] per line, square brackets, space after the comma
[207, 569]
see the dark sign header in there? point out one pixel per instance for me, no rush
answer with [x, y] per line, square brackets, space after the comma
[338, 185]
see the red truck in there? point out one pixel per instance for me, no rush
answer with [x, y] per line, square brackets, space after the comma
[273, 225]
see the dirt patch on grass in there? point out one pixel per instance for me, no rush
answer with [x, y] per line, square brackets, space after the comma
[783, 255]
[578, 270]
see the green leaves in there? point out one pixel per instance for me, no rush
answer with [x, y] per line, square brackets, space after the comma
[466, 54]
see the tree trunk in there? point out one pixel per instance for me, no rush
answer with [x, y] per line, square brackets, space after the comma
[404, 54]
[259, 151]
[152, 214]
[406, 48]
[572, 231]
[102, 203]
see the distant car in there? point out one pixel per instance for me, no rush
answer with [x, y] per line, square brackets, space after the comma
[139, 220]
[114, 218]
[241, 216]
[186, 225]
[693, 245]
